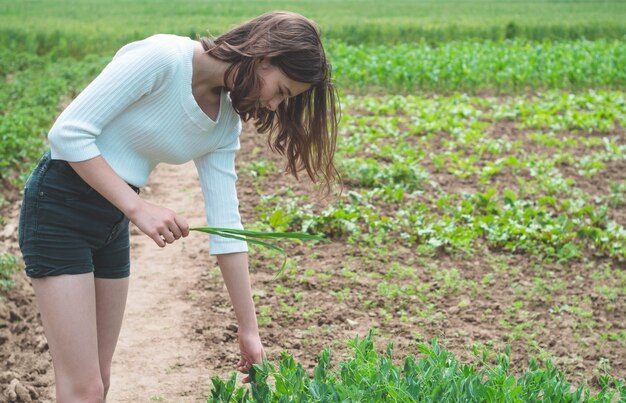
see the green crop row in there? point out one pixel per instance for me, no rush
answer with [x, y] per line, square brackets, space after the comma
[459, 223]
[467, 66]
[435, 377]
[513, 66]
[81, 41]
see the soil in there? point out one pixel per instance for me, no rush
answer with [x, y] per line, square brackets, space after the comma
[179, 328]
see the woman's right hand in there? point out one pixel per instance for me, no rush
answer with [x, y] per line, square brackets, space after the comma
[159, 223]
[252, 352]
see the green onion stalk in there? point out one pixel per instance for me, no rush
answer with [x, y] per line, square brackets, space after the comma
[260, 238]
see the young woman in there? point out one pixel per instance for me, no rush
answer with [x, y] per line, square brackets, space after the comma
[164, 99]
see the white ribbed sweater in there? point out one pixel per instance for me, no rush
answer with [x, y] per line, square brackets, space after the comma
[140, 111]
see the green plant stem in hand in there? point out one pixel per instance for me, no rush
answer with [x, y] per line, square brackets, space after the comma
[255, 237]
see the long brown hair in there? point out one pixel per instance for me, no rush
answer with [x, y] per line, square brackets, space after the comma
[304, 127]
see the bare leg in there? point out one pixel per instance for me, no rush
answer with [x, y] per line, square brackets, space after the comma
[110, 303]
[68, 311]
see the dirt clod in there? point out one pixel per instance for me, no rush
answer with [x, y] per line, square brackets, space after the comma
[16, 392]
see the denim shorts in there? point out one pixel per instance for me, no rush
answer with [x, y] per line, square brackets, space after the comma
[67, 227]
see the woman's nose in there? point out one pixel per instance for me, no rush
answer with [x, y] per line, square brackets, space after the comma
[273, 103]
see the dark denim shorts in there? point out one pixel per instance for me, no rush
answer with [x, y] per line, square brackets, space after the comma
[66, 227]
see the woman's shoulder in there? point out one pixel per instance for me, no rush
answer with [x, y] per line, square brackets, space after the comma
[167, 47]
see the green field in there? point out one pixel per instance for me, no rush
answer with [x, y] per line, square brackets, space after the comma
[483, 151]
[90, 26]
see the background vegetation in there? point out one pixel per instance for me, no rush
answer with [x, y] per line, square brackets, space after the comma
[86, 26]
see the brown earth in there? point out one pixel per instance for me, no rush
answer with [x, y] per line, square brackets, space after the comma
[179, 329]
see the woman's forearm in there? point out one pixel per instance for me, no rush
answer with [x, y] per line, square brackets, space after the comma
[234, 267]
[100, 176]
[159, 223]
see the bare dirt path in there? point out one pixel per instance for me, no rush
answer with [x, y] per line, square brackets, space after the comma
[156, 359]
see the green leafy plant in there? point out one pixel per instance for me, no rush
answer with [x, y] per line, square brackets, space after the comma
[8, 267]
[435, 377]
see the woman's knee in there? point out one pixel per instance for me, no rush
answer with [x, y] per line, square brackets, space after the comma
[92, 391]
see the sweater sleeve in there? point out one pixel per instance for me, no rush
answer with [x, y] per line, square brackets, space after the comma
[217, 179]
[137, 69]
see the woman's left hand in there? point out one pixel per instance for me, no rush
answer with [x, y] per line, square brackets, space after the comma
[251, 352]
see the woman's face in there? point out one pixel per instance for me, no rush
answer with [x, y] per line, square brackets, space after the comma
[276, 86]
